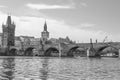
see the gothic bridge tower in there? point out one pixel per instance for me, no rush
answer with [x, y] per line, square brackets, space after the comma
[45, 33]
[8, 37]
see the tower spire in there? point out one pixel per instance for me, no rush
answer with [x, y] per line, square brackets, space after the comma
[45, 26]
[45, 33]
[9, 19]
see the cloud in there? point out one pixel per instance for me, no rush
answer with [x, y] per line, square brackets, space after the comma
[1, 6]
[87, 25]
[44, 6]
[83, 4]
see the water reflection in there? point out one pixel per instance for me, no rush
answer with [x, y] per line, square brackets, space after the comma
[8, 69]
[45, 69]
[59, 68]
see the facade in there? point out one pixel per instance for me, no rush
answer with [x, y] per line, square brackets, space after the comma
[8, 36]
[26, 40]
[65, 40]
[22, 41]
[0, 39]
[35, 41]
[45, 33]
[18, 42]
[54, 40]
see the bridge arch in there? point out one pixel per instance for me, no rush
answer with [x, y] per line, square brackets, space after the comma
[13, 52]
[52, 51]
[109, 51]
[29, 51]
[99, 50]
[76, 50]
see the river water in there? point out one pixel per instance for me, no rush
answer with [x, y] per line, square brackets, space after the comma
[41, 68]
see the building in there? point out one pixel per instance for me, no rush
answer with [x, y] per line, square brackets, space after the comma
[26, 40]
[65, 40]
[8, 36]
[45, 33]
[0, 39]
[54, 40]
[35, 41]
[18, 42]
[21, 41]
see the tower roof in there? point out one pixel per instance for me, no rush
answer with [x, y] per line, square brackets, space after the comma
[45, 26]
[8, 20]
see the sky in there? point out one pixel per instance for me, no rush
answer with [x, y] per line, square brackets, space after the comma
[78, 19]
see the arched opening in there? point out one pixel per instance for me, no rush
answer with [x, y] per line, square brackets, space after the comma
[71, 51]
[13, 52]
[51, 52]
[29, 51]
[99, 50]
[109, 52]
[76, 51]
[80, 52]
[96, 51]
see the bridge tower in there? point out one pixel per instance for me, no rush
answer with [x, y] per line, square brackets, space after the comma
[8, 36]
[45, 33]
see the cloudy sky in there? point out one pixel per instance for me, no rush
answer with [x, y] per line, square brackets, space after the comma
[78, 19]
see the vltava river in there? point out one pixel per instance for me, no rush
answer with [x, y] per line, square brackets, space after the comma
[37, 68]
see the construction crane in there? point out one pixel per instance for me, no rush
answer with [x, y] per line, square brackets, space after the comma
[105, 39]
[109, 43]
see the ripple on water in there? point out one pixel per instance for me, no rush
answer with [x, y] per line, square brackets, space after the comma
[59, 69]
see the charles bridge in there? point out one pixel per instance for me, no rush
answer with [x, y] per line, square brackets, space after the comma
[62, 49]
[68, 48]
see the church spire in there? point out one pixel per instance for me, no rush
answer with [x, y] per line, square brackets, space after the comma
[9, 19]
[45, 26]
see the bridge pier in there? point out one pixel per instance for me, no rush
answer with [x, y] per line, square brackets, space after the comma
[88, 52]
[60, 50]
[119, 53]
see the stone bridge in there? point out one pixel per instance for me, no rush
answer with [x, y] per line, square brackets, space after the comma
[46, 50]
[66, 49]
